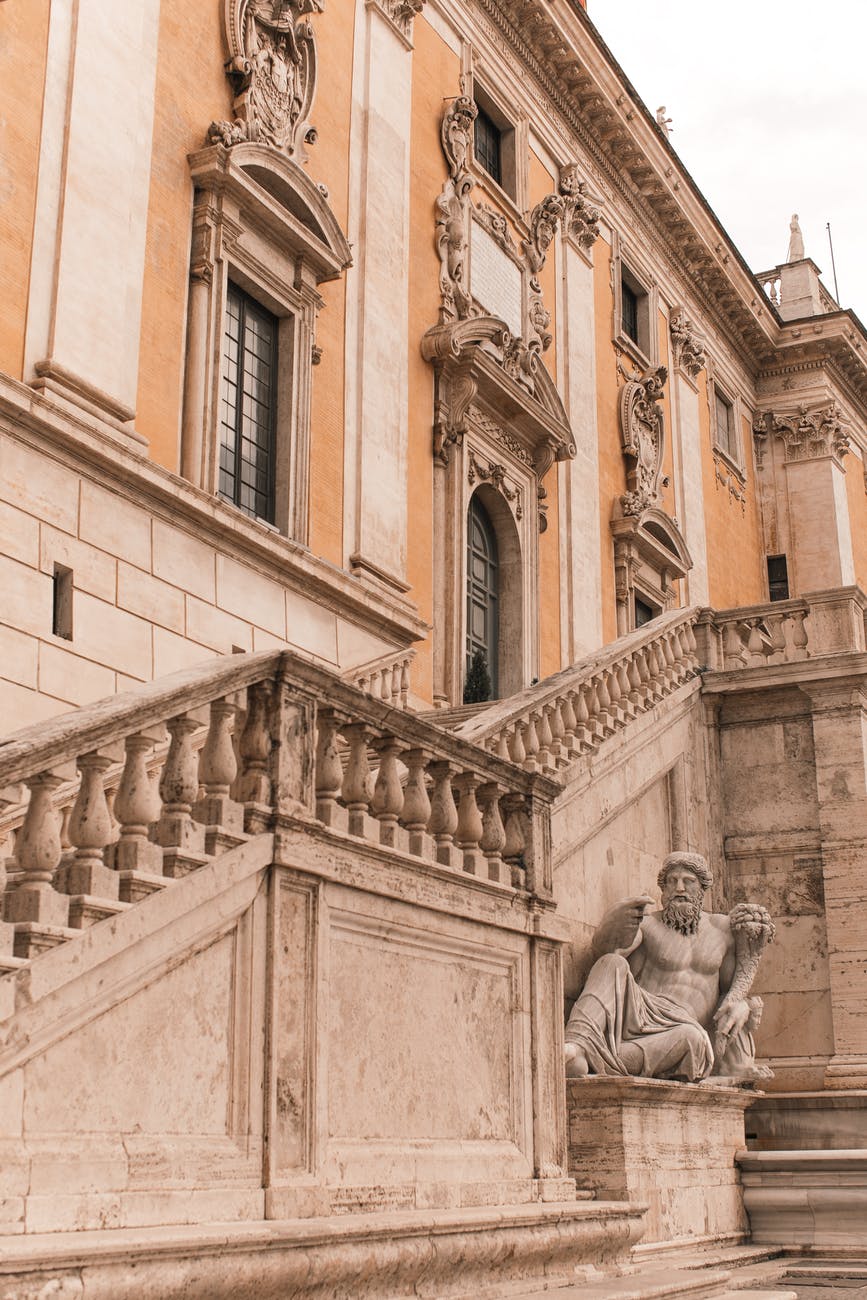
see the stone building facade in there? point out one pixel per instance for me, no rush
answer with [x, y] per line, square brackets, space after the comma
[356, 340]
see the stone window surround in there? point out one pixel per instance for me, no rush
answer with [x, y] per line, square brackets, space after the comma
[252, 217]
[514, 127]
[729, 394]
[625, 264]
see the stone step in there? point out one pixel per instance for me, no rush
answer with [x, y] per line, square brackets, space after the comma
[643, 1284]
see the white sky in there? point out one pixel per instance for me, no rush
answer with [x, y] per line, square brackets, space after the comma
[769, 106]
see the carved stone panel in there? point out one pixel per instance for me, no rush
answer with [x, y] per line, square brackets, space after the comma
[272, 68]
[643, 433]
[496, 279]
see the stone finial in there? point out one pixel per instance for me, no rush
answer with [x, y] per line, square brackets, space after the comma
[796, 241]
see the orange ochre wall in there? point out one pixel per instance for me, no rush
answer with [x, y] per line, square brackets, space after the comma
[541, 185]
[735, 564]
[856, 495]
[612, 474]
[436, 74]
[23, 51]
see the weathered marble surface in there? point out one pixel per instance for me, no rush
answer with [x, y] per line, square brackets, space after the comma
[670, 1146]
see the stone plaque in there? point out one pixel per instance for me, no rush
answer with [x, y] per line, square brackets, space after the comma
[496, 280]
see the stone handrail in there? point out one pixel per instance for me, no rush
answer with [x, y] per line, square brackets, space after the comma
[553, 724]
[386, 678]
[784, 631]
[254, 742]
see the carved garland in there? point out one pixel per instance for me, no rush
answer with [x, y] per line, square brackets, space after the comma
[805, 434]
[495, 474]
[642, 431]
[272, 68]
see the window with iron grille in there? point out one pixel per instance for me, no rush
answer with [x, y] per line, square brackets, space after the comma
[629, 311]
[487, 145]
[249, 406]
[778, 577]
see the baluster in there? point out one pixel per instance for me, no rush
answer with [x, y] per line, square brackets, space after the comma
[85, 876]
[613, 685]
[558, 730]
[513, 849]
[733, 647]
[544, 757]
[755, 644]
[416, 804]
[329, 769]
[65, 816]
[603, 717]
[493, 839]
[387, 792]
[799, 634]
[570, 722]
[444, 815]
[404, 682]
[363, 685]
[583, 728]
[633, 679]
[777, 634]
[254, 786]
[593, 723]
[660, 666]
[531, 744]
[222, 816]
[669, 668]
[621, 671]
[138, 861]
[35, 902]
[356, 780]
[395, 685]
[645, 673]
[502, 746]
[182, 840]
[517, 749]
[469, 828]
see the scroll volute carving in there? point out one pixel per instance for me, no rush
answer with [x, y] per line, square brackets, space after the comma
[272, 68]
[452, 209]
[805, 434]
[686, 345]
[580, 216]
[643, 438]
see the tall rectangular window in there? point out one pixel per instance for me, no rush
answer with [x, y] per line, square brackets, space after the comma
[726, 437]
[629, 311]
[249, 406]
[486, 144]
[778, 577]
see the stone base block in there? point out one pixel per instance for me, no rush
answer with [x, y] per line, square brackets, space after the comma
[814, 1200]
[86, 909]
[178, 863]
[669, 1145]
[136, 885]
[808, 1121]
[38, 906]
[87, 878]
[450, 1255]
[219, 841]
[33, 938]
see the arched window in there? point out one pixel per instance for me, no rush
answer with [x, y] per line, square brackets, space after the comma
[483, 587]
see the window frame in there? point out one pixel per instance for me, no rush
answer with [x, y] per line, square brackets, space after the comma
[512, 187]
[730, 447]
[249, 307]
[629, 274]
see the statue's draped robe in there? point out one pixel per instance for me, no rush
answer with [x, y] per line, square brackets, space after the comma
[614, 1009]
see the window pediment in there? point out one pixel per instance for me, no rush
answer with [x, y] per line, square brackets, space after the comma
[271, 192]
[478, 361]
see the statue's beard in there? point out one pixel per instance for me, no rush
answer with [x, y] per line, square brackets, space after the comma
[682, 915]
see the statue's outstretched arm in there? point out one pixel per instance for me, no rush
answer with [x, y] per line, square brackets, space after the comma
[619, 929]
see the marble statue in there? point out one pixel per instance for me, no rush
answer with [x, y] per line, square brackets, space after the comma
[796, 241]
[668, 994]
[663, 122]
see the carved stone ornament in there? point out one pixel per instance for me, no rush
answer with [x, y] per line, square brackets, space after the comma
[400, 13]
[643, 432]
[496, 225]
[580, 217]
[686, 346]
[495, 473]
[453, 210]
[477, 361]
[272, 68]
[805, 434]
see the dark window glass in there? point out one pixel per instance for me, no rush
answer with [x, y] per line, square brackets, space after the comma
[483, 627]
[725, 425]
[487, 143]
[629, 311]
[643, 612]
[778, 577]
[249, 406]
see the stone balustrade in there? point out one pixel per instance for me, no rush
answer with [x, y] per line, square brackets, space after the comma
[552, 725]
[782, 632]
[386, 678]
[128, 794]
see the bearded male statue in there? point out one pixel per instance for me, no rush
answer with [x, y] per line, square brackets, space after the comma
[668, 996]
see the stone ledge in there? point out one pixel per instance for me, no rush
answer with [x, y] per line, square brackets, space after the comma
[441, 1254]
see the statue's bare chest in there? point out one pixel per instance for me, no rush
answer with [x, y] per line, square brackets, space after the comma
[667, 949]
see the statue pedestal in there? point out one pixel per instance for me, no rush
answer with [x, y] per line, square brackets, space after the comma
[669, 1145]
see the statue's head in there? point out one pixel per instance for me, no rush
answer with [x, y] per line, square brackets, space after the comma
[684, 879]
